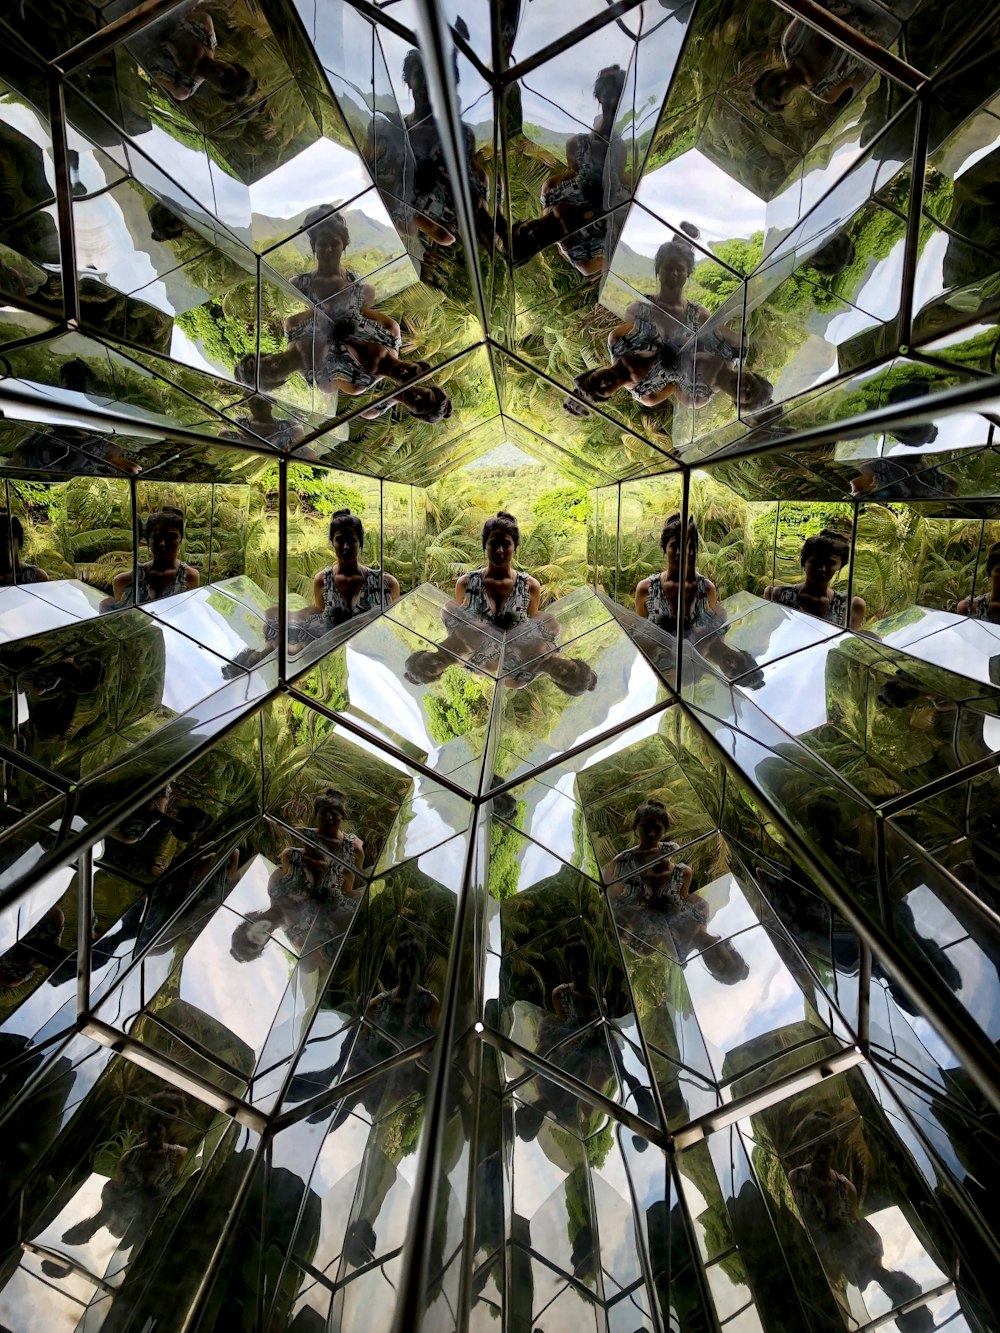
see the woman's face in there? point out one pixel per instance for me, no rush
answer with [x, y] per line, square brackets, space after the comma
[164, 544]
[328, 820]
[602, 384]
[821, 567]
[500, 547]
[346, 546]
[651, 830]
[673, 271]
[329, 248]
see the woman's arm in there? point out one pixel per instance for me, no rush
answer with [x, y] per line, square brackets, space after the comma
[686, 878]
[119, 583]
[393, 585]
[192, 579]
[770, 592]
[641, 595]
[964, 606]
[858, 612]
[319, 584]
[460, 588]
[534, 595]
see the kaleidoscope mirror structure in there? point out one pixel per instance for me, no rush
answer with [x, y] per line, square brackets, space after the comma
[499, 666]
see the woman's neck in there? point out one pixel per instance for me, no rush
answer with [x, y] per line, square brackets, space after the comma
[671, 298]
[499, 572]
[349, 567]
[814, 589]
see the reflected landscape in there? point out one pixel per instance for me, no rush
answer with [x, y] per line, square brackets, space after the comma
[499, 666]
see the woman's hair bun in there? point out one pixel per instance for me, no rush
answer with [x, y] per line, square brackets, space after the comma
[504, 513]
[689, 229]
[340, 513]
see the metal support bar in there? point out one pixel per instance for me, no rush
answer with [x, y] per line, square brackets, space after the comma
[64, 201]
[282, 569]
[570, 38]
[752, 1102]
[914, 218]
[84, 929]
[350, 1086]
[174, 1073]
[129, 25]
[850, 39]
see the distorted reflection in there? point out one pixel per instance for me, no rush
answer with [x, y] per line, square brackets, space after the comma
[14, 571]
[657, 597]
[810, 61]
[408, 163]
[144, 1177]
[261, 421]
[165, 574]
[986, 605]
[822, 557]
[593, 182]
[900, 478]
[179, 52]
[313, 887]
[850, 1248]
[70, 449]
[658, 353]
[341, 343]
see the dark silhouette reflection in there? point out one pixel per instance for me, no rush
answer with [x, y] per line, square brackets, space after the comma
[569, 1038]
[69, 449]
[812, 62]
[658, 354]
[986, 605]
[408, 165]
[898, 478]
[12, 569]
[822, 557]
[260, 420]
[593, 181]
[654, 898]
[396, 1017]
[340, 343]
[165, 574]
[143, 1179]
[340, 592]
[156, 814]
[849, 1246]
[179, 52]
[312, 891]
[35, 954]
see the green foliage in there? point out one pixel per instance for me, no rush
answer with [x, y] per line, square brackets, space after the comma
[459, 705]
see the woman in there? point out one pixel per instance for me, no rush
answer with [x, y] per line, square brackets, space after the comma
[572, 199]
[828, 72]
[348, 357]
[179, 53]
[12, 571]
[261, 421]
[307, 880]
[408, 1007]
[165, 574]
[499, 594]
[349, 588]
[986, 606]
[644, 874]
[340, 592]
[656, 597]
[848, 1245]
[823, 557]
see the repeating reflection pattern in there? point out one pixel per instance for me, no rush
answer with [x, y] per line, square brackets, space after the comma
[499, 665]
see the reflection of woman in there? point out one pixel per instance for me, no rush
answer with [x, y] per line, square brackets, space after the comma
[319, 876]
[179, 53]
[822, 558]
[164, 574]
[848, 1244]
[349, 588]
[675, 317]
[12, 571]
[143, 1178]
[408, 1007]
[645, 873]
[70, 449]
[986, 606]
[260, 421]
[828, 72]
[572, 199]
[656, 597]
[499, 594]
